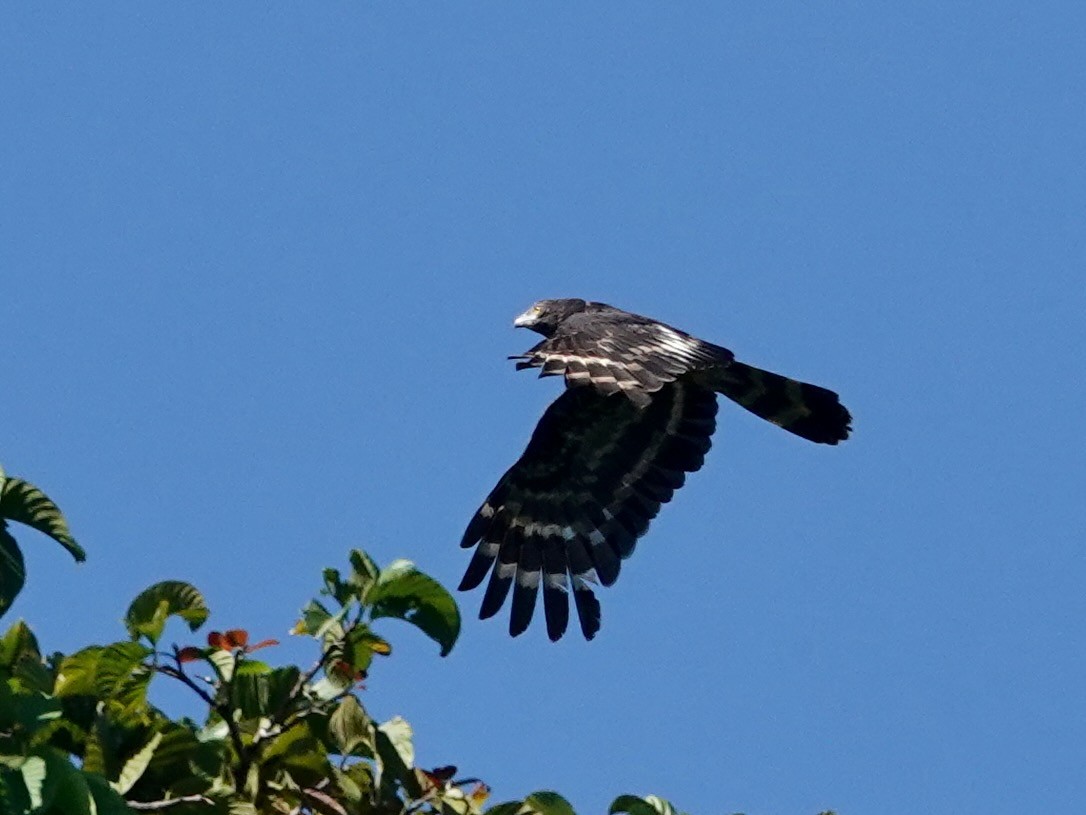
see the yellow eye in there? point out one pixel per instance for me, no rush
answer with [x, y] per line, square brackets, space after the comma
[537, 309]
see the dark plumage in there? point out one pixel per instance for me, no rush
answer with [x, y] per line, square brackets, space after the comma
[637, 416]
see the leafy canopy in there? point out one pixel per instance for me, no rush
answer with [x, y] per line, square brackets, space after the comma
[78, 735]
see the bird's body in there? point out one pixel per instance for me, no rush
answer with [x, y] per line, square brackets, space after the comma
[637, 416]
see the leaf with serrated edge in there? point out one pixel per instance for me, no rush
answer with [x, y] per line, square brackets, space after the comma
[122, 680]
[78, 674]
[18, 641]
[135, 766]
[224, 663]
[402, 591]
[147, 614]
[117, 664]
[23, 502]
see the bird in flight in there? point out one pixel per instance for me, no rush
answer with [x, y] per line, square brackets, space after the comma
[637, 415]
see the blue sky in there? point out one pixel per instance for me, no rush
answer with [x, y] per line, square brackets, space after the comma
[259, 269]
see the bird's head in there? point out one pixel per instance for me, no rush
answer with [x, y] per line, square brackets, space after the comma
[544, 317]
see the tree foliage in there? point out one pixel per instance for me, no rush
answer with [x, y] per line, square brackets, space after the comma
[78, 734]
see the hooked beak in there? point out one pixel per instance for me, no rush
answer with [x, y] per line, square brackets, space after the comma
[525, 320]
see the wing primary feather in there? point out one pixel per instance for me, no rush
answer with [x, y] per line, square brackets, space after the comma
[555, 581]
[604, 558]
[500, 579]
[481, 562]
[496, 591]
[484, 518]
[588, 608]
[526, 587]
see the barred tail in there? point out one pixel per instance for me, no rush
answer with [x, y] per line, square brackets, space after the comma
[807, 410]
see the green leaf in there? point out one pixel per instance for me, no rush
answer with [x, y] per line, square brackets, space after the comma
[13, 794]
[252, 667]
[33, 772]
[453, 800]
[224, 663]
[78, 673]
[122, 680]
[334, 586]
[314, 616]
[73, 794]
[23, 502]
[26, 711]
[649, 805]
[331, 685]
[106, 799]
[119, 664]
[364, 572]
[100, 749]
[183, 763]
[256, 695]
[54, 785]
[351, 727]
[31, 674]
[399, 735]
[134, 768]
[358, 648]
[12, 569]
[395, 758]
[298, 752]
[17, 643]
[148, 613]
[507, 808]
[547, 803]
[356, 782]
[402, 591]
[318, 622]
[215, 731]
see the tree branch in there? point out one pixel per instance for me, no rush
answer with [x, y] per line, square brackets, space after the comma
[223, 710]
[169, 802]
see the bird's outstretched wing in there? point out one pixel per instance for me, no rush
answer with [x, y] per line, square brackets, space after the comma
[593, 476]
[617, 351]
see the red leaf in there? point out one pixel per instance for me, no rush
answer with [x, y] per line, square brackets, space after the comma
[237, 637]
[216, 640]
[190, 653]
[261, 644]
[443, 773]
